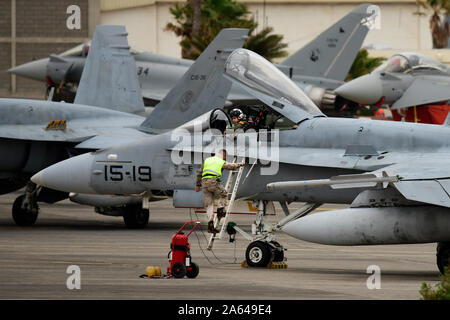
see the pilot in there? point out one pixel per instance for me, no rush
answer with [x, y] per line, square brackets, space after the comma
[208, 178]
[239, 119]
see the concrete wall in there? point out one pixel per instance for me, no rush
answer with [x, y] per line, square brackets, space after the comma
[145, 26]
[31, 30]
[301, 22]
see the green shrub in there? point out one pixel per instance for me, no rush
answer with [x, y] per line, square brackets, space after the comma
[441, 291]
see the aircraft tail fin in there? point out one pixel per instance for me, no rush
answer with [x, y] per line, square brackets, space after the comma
[109, 78]
[201, 89]
[332, 53]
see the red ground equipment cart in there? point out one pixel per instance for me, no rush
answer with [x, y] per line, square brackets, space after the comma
[180, 254]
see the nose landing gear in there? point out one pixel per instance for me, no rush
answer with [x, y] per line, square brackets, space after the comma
[25, 209]
[264, 251]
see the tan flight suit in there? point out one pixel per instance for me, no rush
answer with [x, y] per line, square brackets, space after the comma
[213, 189]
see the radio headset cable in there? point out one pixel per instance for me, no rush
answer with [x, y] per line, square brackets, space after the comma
[221, 262]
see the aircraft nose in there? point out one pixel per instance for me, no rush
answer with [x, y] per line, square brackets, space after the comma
[36, 70]
[71, 175]
[367, 89]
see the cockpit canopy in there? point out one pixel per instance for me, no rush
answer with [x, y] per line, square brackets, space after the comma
[409, 61]
[259, 74]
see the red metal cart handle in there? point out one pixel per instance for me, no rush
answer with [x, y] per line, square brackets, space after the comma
[197, 223]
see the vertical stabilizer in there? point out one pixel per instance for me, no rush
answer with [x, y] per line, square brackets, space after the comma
[201, 89]
[332, 53]
[109, 78]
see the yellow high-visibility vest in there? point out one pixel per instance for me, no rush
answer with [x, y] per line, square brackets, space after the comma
[212, 167]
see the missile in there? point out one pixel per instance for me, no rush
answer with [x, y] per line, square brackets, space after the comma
[373, 226]
[337, 182]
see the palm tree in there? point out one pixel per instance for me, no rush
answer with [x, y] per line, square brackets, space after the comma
[267, 45]
[214, 16]
[440, 32]
[363, 64]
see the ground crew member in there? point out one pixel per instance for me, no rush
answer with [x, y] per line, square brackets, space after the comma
[208, 178]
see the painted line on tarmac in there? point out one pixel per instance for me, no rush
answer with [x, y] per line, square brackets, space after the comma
[98, 263]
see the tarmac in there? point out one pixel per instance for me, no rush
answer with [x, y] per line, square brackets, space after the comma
[34, 261]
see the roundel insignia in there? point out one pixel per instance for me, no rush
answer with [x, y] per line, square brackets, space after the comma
[186, 100]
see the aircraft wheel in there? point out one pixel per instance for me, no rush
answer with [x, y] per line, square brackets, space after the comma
[193, 273]
[443, 256]
[179, 270]
[136, 217]
[258, 254]
[278, 253]
[23, 217]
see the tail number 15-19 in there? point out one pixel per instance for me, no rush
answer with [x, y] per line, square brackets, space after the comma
[135, 173]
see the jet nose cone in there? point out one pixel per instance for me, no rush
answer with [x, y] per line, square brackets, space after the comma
[36, 70]
[363, 90]
[71, 175]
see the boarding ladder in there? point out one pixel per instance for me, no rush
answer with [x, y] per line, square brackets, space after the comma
[233, 173]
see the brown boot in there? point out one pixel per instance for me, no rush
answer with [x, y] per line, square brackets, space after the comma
[211, 228]
[220, 213]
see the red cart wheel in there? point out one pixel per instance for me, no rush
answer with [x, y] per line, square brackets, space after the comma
[179, 270]
[194, 271]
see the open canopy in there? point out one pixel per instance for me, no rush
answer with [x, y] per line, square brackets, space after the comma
[408, 61]
[252, 70]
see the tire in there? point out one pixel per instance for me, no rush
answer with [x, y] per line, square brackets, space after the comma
[258, 254]
[136, 217]
[23, 217]
[443, 256]
[278, 253]
[193, 273]
[179, 270]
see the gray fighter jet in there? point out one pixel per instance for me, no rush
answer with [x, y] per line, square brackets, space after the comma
[108, 109]
[394, 175]
[64, 71]
[405, 80]
[317, 68]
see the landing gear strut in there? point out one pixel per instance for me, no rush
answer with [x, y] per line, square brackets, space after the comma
[25, 209]
[264, 249]
[135, 217]
[443, 256]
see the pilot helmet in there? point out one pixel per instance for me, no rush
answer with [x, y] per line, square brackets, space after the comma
[237, 113]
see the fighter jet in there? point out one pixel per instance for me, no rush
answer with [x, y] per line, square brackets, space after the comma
[394, 175]
[405, 80]
[64, 71]
[108, 110]
[317, 68]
